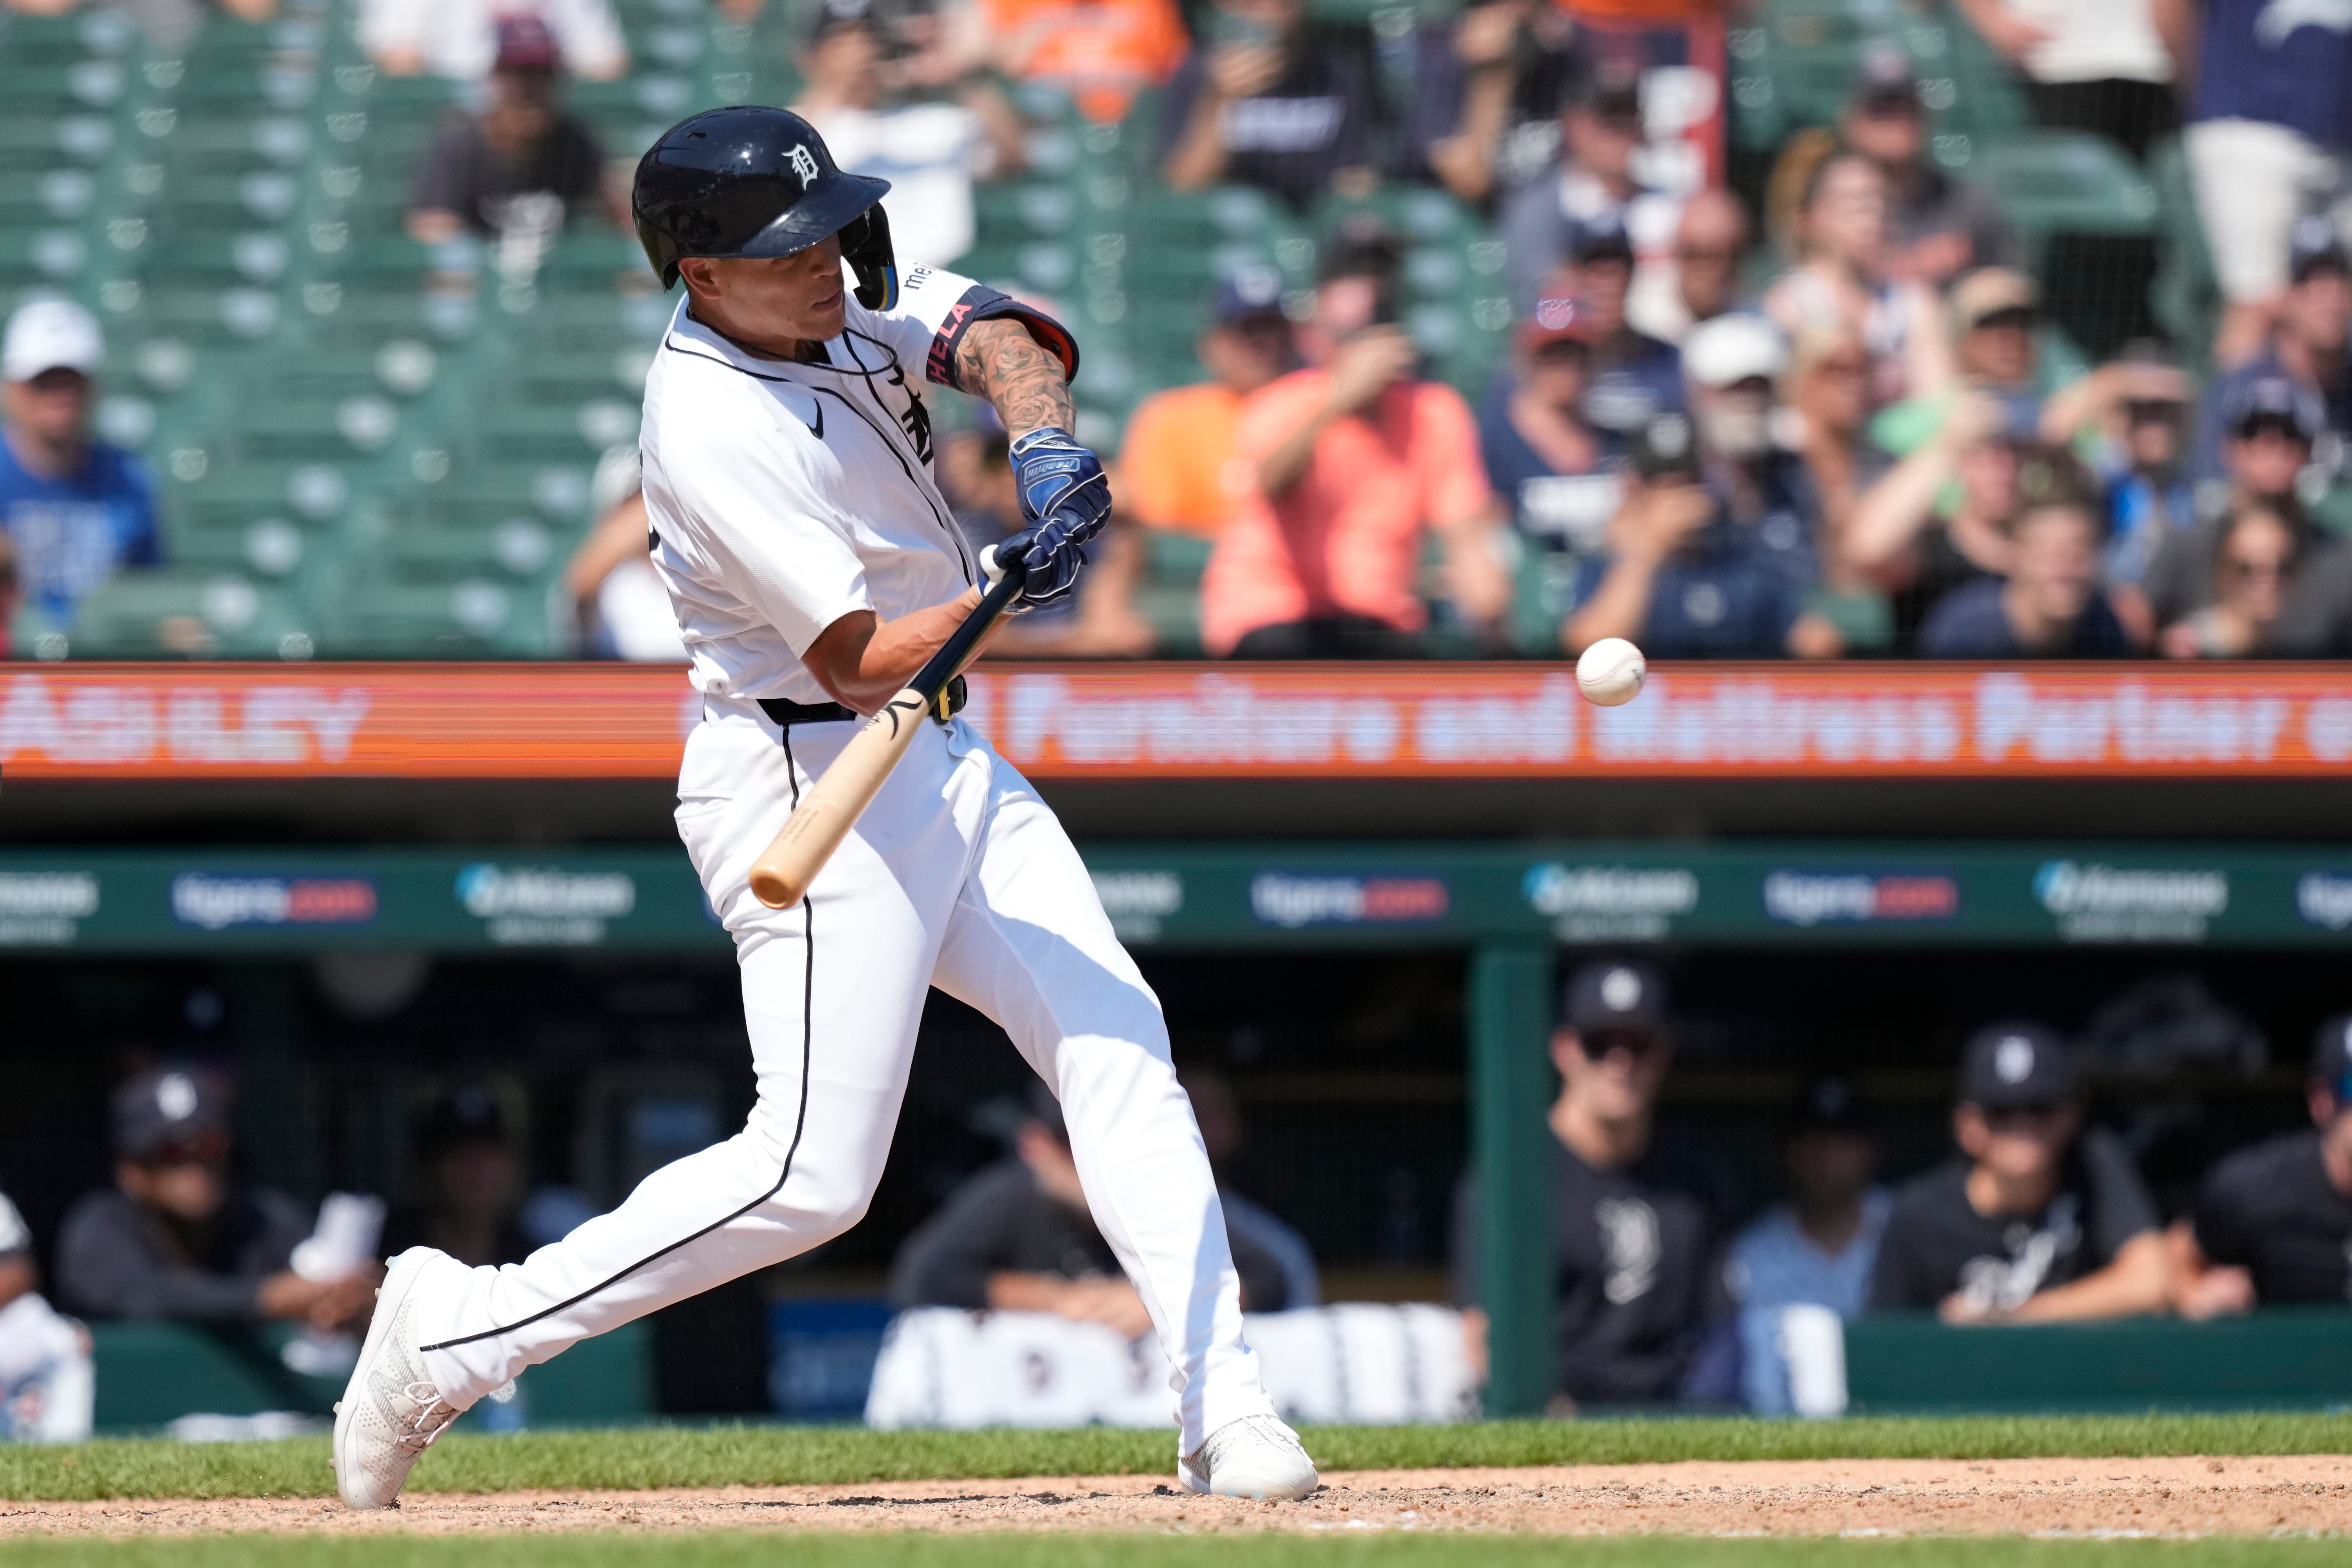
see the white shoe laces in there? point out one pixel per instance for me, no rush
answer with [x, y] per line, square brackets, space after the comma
[419, 1427]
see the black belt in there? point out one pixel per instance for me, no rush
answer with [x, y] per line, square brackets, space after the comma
[785, 714]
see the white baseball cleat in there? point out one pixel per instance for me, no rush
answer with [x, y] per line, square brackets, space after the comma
[1255, 1456]
[391, 1412]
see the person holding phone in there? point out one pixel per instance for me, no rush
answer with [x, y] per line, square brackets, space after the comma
[1342, 467]
[1261, 101]
[1712, 550]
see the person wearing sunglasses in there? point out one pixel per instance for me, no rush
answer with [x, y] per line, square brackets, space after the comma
[1640, 1312]
[2210, 606]
[2273, 1223]
[2250, 578]
[2040, 1219]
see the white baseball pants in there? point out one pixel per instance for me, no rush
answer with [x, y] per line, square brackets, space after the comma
[957, 876]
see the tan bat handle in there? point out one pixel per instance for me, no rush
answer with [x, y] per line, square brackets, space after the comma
[832, 805]
[831, 808]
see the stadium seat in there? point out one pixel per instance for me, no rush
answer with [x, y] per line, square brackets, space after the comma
[189, 612]
[2051, 180]
[1168, 595]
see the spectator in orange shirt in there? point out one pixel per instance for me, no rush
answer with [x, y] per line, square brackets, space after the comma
[1101, 52]
[1351, 459]
[1180, 442]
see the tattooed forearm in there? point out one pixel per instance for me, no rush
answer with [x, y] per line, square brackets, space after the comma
[1001, 362]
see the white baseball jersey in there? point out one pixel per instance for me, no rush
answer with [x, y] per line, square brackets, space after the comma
[785, 495]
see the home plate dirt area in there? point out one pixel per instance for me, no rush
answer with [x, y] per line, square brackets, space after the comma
[2166, 1497]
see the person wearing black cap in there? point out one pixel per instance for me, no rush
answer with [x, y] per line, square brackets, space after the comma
[2273, 1223]
[176, 1238]
[1590, 187]
[2039, 1220]
[1263, 101]
[1939, 224]
[2271, 427]
[487, 173]
[1544, 454]
[1017, 1237]
[1171, 471]
[2309, 343]
[1818, 1248]
[1637, 1241]
[1634, 377]
[1356, 460]
[469, 1173]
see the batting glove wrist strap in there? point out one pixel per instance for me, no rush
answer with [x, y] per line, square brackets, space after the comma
[1065, 502]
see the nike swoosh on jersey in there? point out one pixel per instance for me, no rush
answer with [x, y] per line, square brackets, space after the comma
[805, 405]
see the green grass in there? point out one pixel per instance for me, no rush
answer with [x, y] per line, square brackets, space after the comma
[775, 1456]
[738, 1550]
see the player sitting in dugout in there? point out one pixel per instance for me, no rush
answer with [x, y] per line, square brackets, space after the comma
[1641, 1314]
[2273, 1222]
[176, 1238]
[2039, 1221]
[1016, 1236]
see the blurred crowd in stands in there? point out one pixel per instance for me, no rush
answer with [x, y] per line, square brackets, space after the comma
[2035, 1215]
[1822, 418]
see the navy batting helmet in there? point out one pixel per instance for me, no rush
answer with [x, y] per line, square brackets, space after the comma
[758, 182]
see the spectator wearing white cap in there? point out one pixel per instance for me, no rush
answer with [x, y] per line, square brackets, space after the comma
[459, 38]
[1714, 550]
[75, 510]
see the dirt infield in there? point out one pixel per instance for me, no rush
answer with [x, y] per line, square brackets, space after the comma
[1877, 1496]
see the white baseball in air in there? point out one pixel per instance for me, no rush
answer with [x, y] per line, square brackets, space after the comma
[1611, 672]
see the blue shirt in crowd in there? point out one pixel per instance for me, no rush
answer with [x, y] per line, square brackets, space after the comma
[72, 534]
[1733, 593]
[1637, 380]
[1552, 511]
[1774, 1264]
[1969, 622]
[2287, 62]
[2142, 513]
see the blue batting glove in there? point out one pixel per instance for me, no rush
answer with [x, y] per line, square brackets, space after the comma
[1049, 558]
[1065, 501]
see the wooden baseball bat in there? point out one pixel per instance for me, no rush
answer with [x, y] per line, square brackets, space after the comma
[833, 804]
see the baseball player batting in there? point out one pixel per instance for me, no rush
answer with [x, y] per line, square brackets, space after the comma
[815, 568]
